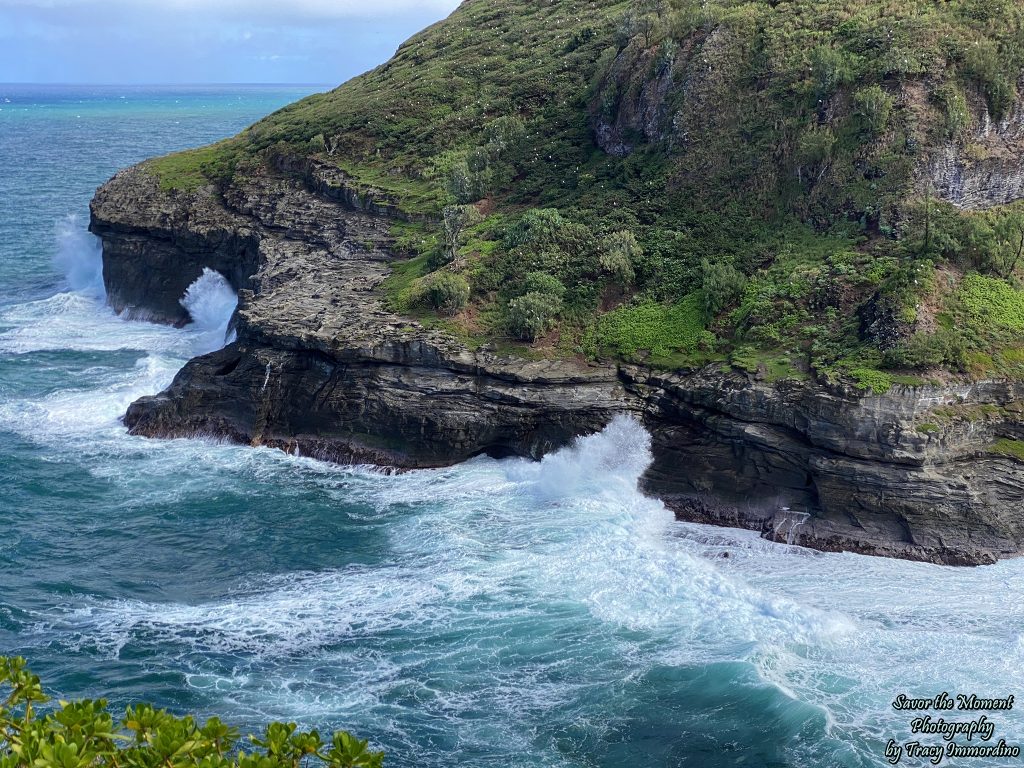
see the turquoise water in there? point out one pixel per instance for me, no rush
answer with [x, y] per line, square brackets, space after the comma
[499, 613]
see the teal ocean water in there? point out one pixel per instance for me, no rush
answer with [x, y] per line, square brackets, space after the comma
[498, 613]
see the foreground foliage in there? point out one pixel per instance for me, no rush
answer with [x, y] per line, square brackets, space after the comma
[83, 734]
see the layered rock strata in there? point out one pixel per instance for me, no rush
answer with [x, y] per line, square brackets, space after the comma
[322, 367]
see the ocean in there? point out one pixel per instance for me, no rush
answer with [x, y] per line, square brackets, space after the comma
[497, 613]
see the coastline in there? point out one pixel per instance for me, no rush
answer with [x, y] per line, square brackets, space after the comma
[322, 366]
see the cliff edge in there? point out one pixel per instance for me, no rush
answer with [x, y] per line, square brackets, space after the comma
[482, 249]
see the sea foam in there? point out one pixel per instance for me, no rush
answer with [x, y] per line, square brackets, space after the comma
[80, 257]
[210, 302]
[80, 321]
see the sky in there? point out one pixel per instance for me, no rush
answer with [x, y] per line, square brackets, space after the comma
[204, 41]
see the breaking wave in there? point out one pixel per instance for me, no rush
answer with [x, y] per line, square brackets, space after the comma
[80, 257]
[498, 612]
[116, 360]
[210, 302]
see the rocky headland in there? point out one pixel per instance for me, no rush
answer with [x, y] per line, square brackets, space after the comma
[788, 244]
[321, 366]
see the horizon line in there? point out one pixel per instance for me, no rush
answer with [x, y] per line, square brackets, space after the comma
[166, 84]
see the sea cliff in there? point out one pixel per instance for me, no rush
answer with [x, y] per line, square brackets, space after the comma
[322, 366]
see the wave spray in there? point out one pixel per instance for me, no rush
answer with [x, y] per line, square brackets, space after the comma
[210, 302]
[80, 257]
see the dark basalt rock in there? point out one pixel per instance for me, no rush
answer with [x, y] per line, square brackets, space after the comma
[155, 245]
[322, 367]
[881, 322]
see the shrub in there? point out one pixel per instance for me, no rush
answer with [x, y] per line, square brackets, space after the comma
[82, 734]
[814, 153]
[505, 135]
[944, 347]
[873, 107]
[953, 103]
[470, 176]
[619, 251]
[542, 282]
[990, 241]
[318, 144]
[532, 314]
[984, 64]
[721, 285]
[544, 240]
[455, 219]
[539, 226]
[832, 68]
[999, 246]
[444, 291]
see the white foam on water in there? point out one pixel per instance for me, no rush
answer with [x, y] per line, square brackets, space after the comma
[492, 546]
[577, 524]
[210, 302]
[294, 614]
[80, 257]
[80, 321]
[503, 554]
[88, 414]
[488, 547]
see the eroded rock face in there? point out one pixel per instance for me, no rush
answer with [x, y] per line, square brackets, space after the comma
[837, 470]
[672, 97]
[155, 245]
[986, 168]
[321, 366]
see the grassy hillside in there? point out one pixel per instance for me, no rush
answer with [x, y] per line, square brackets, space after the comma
[687, 182]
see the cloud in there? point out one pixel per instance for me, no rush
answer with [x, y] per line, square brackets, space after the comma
[200, 41]
[282, 10]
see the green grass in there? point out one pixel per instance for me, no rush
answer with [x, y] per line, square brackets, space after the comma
[992, 301]
[1012, 356]
[908, 381]
[195, 168]
[1007, 447]
[663, 335]
[869, 378]
[877, 382]
[767, 362]
[413, 196]
[398, 286]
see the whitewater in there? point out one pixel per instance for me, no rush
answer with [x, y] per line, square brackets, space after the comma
[500, 612]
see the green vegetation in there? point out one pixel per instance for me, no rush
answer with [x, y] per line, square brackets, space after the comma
[1007, 447]
[444, 291]
[989, 241]
[990, 302]
[188, 171]
[978, 333]
[878, 382]
[400, 286]
[768, 363]
[702, 180]
[668, 333]
[531, 314]
[83, 734]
